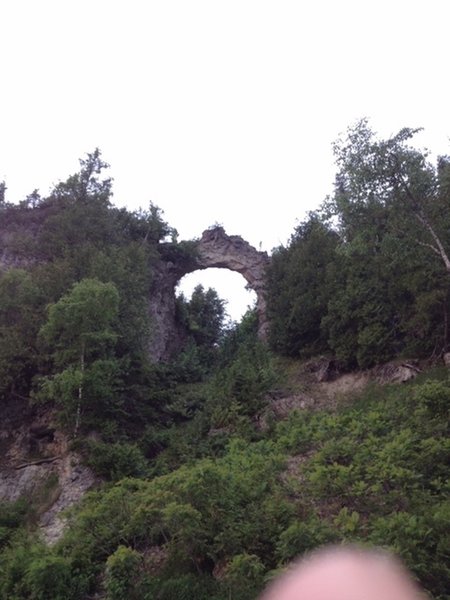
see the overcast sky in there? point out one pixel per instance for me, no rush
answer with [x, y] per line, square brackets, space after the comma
[216, 111]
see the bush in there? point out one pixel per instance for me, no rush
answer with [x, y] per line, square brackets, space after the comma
[184, 587]
[434, 398]
[122, 569]
[116, 461]
[244, 576]
[49, 578]
[303, 536]
[11, 517]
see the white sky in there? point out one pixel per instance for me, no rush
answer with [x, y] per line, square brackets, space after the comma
[216, 111]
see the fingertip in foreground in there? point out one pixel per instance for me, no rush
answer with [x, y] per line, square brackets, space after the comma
[345, 573]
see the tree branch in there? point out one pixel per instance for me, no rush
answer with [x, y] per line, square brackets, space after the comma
[430, 246]
[418, 212]
[440, 248]
[40, 461]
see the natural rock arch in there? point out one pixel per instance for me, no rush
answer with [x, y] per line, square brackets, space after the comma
[214, 249]
[217, 249]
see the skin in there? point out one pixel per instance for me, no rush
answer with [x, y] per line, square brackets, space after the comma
[345, 574]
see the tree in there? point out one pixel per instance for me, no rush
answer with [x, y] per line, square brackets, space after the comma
[397, 178]
[20, 314]
[81, 215]
[3, 189]
[206, 314]
[203, 317]
[80, 335]
[299, 290]
[391, 207]
[87, 183]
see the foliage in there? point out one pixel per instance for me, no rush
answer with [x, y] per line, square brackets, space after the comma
[121, 571]
[373, 472]
[203, 317]
[246, 379]
[367, 277]
[244, 375]
[184, 587]
[116, 461]
[86, 184]
[80, 322]
[80, 335]
[11, 517]
[203, 496]
[244, 576]
[377, 475]
[299, 289]
[20, 308]
[49, 578]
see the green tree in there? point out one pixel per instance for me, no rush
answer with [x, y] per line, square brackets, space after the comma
[49, 578]
[391, 293]
[244, 575]
[79, 332]
[122, 568]
[206, 314]
[203, 317]
[392, 175]
[20, 314]
[87, 183]
[299, 288]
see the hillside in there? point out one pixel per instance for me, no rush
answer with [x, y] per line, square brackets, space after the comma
[149, 450]
[237, 491]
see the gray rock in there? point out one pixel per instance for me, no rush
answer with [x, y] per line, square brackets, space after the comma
[214, 249]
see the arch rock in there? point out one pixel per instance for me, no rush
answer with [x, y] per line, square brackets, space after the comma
[214, 249]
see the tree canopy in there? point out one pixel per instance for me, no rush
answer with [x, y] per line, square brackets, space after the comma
[220, 465]
[376, 284]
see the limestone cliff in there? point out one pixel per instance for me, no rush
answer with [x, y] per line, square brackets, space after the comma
[21, 246]
[35, 458]
[214, 249]
[36, 463]
[217, 249]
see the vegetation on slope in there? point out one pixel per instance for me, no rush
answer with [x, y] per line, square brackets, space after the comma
[367, 276]
[206, 492]
[238, 508]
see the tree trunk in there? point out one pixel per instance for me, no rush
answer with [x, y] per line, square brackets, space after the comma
[439, 247]
[80, 393]
[418, 210]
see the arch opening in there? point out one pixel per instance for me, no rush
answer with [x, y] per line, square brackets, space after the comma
[214, 250]
[230, 286]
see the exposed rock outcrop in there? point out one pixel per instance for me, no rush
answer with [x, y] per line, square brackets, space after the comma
[20, 237]
[214, 249]
[397, 372]
[217, 249]
[74, 480]
[36, 463]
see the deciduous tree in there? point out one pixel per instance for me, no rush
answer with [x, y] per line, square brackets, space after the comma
[79, 332]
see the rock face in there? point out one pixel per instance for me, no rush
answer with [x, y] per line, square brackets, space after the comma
[74, 480]
[397, 372]
[217, 249]
[214, 249]
[35, 462]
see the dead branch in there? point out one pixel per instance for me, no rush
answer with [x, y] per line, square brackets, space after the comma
[40, 461]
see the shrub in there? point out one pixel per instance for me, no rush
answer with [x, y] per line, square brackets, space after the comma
[11, 517]
[122, 569]
[301, 537]
[244, 576]
[116, 461]
[49, 578]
